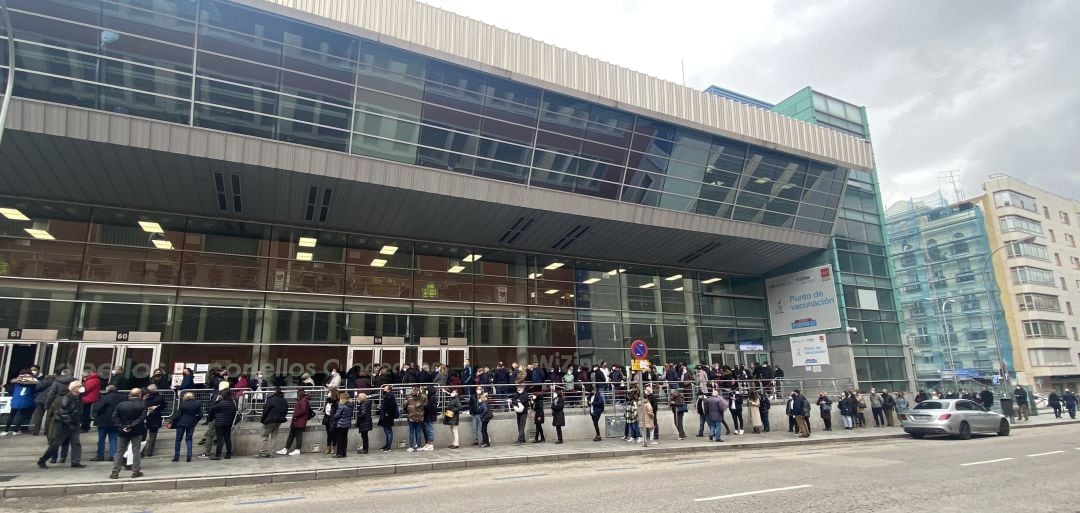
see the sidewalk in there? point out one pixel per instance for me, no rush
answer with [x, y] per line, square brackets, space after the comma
[26, 480]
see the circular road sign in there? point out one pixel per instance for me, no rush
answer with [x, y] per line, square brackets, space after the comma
[639, 349]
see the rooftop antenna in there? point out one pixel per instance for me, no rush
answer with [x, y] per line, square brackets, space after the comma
[952, 177]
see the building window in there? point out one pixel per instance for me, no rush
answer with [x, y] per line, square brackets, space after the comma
[1020, 224]
[1044, 329]
[1046, 212]
[916, 310]
[1057, 259]
[1014, 199]
[1032, 275]
[969, 303]
[1046, 357]
[1063, 286]
[1068, 306]
[1075, 262]
[1076, 337]
[1070, 240]
[907, 260]
[1064, 217]
[1038, 302]
[959, 247]
[1016, 249]
[1051, 234]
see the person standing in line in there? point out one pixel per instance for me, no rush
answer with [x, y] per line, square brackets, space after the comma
[414, 411]
[333, 382]
[801, 407]
[64, 423]
[363, 421]
[789, 409]
[877, 408]
[155, 407]
[184, 420]
[328, 419]
[519, 404]
[647, 419]
[596, 408]
[223, 413]
[1070, 403]
[678, 410]
[860, 410]
[764, 409]
[388, 413]
[650, 395]
[735, 406]
[474, 414]
[92, 384]
[536, 404]
[452, 417]
[754, 406]
[714, 409]
[129, 417]
[342, 419]
[1054, 401]
[702, 413]
[1021, 397]
[888, 407]
[302, 413]
[825, 407]
[431, 415]
[902, 403]
[633, 430]
[103, 419]
[846, 406]
[485, 414]
[558, 416]
[41, 392]
[22, 403]
[274, 414]
[210, 437]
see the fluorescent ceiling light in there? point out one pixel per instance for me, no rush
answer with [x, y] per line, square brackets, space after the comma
[303, 256]
[761, 181]
[648, 285]
[162, 244]
[533, 276]
[39, 234]
[551, 291]
[471, 258]
[388, 250]
[590, 281]
[378, 262]
[553, 266]
[711, 280]
[786, 186]
[307, 242]
[673, 278]
[456, 269]
[150, 227]
[678, 289]
[571, 295]
[613, 272]
[14, 214]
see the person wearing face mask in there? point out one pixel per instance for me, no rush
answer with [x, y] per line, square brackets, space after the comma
[388, 413]
[714, 410]
[259, 383]
[519, 404]
[452, 417]
[65, 424]
[801, 408]
[595, 404]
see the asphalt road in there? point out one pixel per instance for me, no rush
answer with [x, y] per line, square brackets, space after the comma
[1031, 470]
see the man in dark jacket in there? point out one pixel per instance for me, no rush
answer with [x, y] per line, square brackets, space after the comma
[431, 414]
[65, 425]
[520, 406]
[986, 397]
[1021, 397]
[187, 380]
[130, 419]
[800, 407]
[1070, 403]
[273, 416]
[388, 413]
[41, 391]
[155, 407]
[501, 378]
[103, 410]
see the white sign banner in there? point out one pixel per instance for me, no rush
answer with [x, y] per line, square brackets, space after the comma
[809, 351]
[803, 302]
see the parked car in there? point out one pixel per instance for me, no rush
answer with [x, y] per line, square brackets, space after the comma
[953, 417]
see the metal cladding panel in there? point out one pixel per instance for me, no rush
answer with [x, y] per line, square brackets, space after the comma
[442, 34]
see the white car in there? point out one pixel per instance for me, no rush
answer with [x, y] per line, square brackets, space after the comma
[953, 417]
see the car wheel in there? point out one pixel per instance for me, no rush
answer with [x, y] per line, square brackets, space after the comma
[1003, 429]
[916, 435]
[965, 431]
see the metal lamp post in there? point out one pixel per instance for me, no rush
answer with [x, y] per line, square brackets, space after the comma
[993, 321]
[948, 345]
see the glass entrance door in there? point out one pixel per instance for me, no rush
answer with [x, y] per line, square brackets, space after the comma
[455, 357]
[95, 358]
[391, 356]
[722, 358]
[431, 356]
[362, 357]
[750, 358]
[138, 363]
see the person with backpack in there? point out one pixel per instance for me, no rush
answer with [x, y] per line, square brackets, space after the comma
[363, 421]
[595, 403]
[388, 413]
[678, 410]
[414, 411]
[633, 430]
[274, 413]
[342, 421]
[825, 407]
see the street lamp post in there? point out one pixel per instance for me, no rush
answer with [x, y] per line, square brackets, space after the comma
[948, 346]
[990, 307]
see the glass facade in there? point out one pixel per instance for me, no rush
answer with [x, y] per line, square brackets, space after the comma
[244, 293]
[217, 65]
[939, 252]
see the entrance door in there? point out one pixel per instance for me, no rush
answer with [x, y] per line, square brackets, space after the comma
[138, 362]
[750, 358]
[96, 358]
[430, 356]
[392, 356]
[362, 357]
[455, 357]
[729, 358]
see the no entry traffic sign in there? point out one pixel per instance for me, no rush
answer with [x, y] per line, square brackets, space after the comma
[639, 350]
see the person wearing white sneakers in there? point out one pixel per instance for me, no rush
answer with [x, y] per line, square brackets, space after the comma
[302, 413]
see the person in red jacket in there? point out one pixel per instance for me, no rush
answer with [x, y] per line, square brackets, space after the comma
[302, 413]
[92, 383]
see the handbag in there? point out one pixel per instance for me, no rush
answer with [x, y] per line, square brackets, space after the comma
[449, 414]
[683, 408]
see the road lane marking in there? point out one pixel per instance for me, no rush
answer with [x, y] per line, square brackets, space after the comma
[613, 469]
[399, 489]
[758, 492]
[524, 476]
[984, 462]
[269, 501]
[1044, 454]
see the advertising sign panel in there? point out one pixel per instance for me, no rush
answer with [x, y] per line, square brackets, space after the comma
[809, 351]
[803, 302]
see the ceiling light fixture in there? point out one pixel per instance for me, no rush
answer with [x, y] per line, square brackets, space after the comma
[388, 250]
[304, 256]
[673, 278]
[678, 289]
[150, 227]
[471, 258]
[14, 214]
[613, 272]
[162, 244]
[760, 181]
[39, 234]
[456, 269]
[533, 276]
[648, 285]
[554, 265]
[711, 281]
[590, 281]
[307, 242]
[551, 291]
[378, 262]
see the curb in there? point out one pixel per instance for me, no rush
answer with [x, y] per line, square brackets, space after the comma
[405, 468]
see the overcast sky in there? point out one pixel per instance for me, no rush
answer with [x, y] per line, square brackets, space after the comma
[978, 86]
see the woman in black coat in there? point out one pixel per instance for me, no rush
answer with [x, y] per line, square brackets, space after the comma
[184, 420]
[363, 421]
[328, 419]
[537, 406]
[558, 417]
[224, 414]
[452, 417]
[388, 413]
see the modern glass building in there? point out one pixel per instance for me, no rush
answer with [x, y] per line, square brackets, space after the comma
[297, 185]
[940, 252]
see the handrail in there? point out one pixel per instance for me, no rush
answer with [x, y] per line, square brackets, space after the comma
[10, 85]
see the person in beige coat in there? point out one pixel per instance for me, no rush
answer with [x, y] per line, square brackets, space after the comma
[755, 411]
[646, 420]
